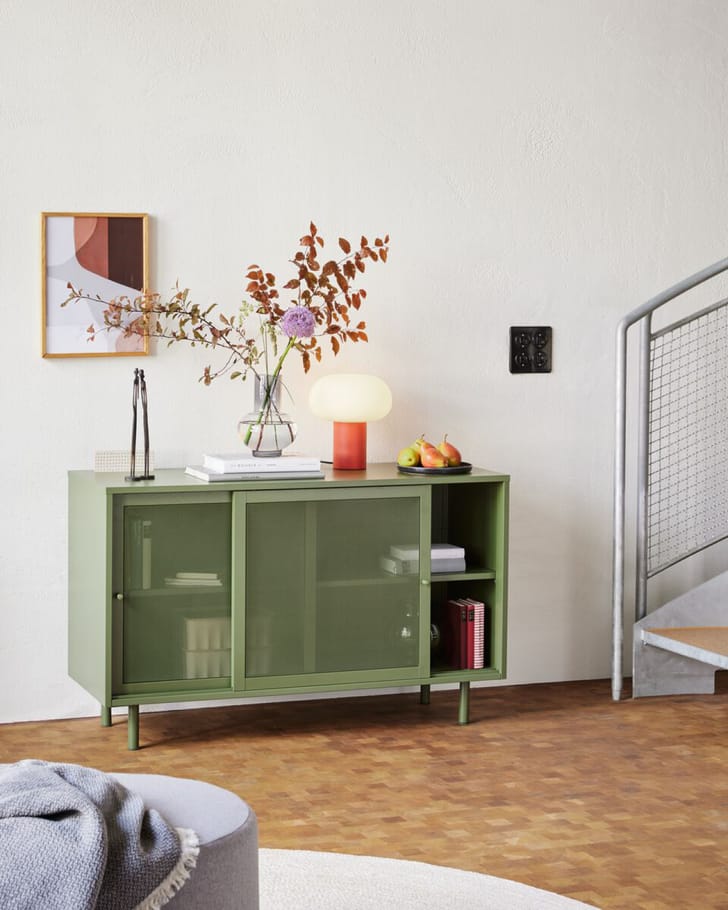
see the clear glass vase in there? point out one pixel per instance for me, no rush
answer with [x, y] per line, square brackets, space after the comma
[267, 430]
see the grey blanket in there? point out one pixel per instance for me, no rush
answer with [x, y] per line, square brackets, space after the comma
[72, 838]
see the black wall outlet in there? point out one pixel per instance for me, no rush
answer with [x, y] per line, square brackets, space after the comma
[530, 349]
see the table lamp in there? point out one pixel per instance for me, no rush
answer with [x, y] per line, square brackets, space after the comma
[350, 400]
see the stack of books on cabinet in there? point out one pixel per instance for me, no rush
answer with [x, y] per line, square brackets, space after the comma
[207, 647]
[467, 634]
[228, 468]
[194, 580]
[404, 559]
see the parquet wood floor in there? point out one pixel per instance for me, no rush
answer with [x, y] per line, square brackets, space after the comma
[624, 806]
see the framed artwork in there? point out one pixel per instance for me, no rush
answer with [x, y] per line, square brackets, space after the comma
[104, 255]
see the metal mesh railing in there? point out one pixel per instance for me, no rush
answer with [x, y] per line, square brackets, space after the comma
[687, 501]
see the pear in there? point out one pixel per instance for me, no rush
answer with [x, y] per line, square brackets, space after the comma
[419, 442]
[451, 454]
[430, 457]
[408, 457]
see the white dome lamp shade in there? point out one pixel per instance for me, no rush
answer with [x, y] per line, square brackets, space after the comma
[350, 400]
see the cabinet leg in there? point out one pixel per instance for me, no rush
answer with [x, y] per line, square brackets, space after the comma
[464, 703]
[133, 728]
[424, 695]
[105, 715]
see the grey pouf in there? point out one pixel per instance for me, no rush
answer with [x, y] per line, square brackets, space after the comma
[226, 875]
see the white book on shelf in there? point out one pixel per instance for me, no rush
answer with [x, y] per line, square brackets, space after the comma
[437, 551]
[206, 575]
[395, 566]
[447, 551]
[239, 464]
[193, 582]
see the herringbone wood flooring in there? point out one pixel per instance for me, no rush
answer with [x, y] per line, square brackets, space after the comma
[620, 805]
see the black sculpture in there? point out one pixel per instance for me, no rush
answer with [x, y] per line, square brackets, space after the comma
[140, 388]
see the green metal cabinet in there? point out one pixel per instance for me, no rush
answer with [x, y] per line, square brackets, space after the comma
[185, 591]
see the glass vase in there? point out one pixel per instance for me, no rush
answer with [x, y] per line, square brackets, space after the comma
[267, 430]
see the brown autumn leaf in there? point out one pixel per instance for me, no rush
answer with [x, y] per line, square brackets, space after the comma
[335, 346]
[345, 245]
[292, 284]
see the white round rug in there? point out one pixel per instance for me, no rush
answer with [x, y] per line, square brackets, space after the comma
[304, 880]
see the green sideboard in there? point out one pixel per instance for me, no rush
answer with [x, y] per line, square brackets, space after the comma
[180, 590]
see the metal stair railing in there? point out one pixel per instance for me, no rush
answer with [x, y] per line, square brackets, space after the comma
[673, 386]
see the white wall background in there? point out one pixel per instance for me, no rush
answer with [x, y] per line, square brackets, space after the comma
[534, 163]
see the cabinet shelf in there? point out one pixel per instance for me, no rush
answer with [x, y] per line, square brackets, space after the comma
[377, 582]
[467, 575]
[445, 674]
[205, 591]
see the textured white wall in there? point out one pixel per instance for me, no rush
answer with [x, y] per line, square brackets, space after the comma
[534, 162]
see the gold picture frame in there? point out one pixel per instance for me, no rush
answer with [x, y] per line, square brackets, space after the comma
[106, 256]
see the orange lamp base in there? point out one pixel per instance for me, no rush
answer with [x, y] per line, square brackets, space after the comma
[350, 446]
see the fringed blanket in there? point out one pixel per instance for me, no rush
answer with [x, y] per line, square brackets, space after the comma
[72, 838]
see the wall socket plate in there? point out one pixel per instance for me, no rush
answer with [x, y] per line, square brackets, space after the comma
[530, 350]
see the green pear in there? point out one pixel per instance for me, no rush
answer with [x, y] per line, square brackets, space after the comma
[408, 457]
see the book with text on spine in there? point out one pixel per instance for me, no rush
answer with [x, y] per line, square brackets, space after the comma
[240, 464]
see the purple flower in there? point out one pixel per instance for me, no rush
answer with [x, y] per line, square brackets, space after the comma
[298, 322]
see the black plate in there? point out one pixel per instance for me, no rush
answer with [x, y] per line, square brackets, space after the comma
[463, 468]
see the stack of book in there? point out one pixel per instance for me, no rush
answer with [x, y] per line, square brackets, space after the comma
[227, 468]
[467, 633]
[194, 580]
[404, 559]
[207, 647]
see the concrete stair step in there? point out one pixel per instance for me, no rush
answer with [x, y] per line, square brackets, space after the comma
[707, 644]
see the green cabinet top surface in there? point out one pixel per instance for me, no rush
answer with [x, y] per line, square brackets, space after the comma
[175, 479]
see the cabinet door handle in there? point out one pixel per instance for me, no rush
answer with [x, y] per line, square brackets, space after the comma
[426, 581]
[119, 596]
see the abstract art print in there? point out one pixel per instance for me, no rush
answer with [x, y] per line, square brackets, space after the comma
[103, 255]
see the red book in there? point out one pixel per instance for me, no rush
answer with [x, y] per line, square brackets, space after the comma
[478, 633]
[457, 635]
[470, 635]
